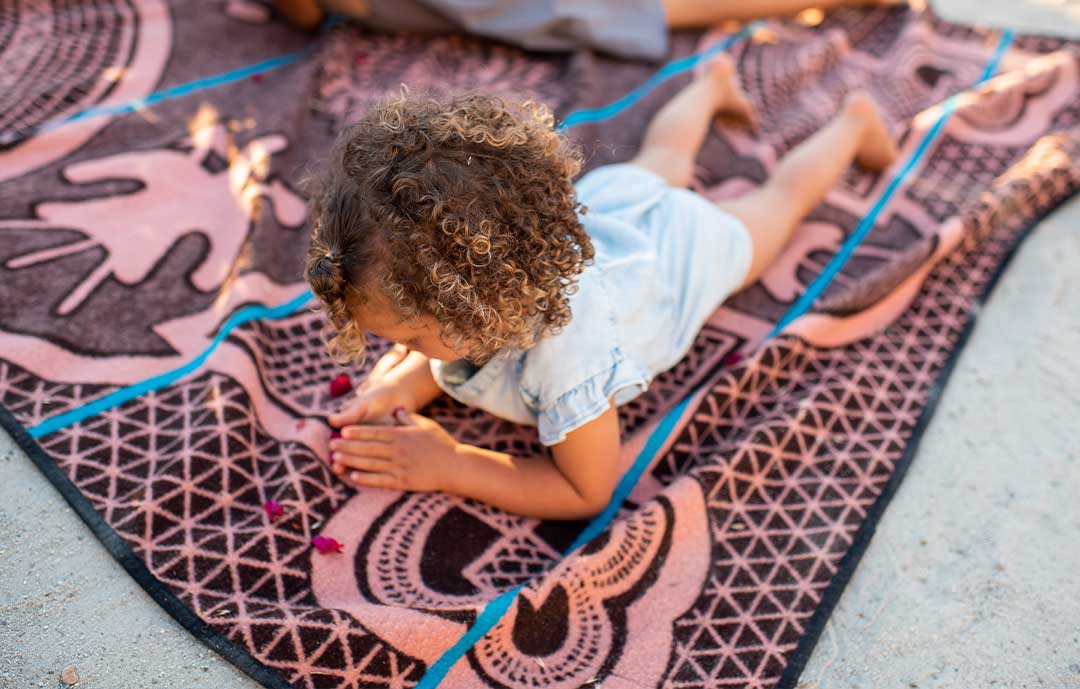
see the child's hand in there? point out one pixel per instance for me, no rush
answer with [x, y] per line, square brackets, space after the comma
[372, 404]
[378, 396]
[416, 456]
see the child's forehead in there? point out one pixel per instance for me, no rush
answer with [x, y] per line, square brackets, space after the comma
[377, 316]
[383, 318]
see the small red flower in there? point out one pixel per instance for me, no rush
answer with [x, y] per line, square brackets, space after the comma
[273, 509]
[325, 544]
[732, 359]
[340, 386]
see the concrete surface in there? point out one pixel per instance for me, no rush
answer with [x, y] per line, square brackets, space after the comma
[1054, 17]
[65, 601]
[973, 578]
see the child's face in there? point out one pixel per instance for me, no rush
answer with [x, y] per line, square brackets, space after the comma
[421, 335]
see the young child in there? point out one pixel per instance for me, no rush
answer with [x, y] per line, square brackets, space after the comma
[634, 29]
[453, 228]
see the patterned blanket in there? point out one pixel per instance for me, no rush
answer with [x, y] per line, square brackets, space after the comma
[161, 362]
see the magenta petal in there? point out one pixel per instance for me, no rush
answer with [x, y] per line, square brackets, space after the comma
[325, 544]
[340, 386]
[273, 509]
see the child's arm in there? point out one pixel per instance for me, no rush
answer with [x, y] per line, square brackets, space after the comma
[421, 456]
[577, 485]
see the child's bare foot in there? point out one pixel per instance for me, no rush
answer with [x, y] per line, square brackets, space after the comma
[877, 149]
[730, 99]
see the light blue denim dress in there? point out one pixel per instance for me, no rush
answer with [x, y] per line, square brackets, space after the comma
[665, 259]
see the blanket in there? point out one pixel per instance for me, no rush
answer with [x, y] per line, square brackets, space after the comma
[161, 359]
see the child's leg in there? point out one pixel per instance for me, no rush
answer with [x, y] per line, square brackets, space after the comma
[800, 181]
[675, 134]
[684, 14]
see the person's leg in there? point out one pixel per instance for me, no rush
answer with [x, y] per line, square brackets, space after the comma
[306, 14]
[674, 136]
[687, 14]
[800, 181]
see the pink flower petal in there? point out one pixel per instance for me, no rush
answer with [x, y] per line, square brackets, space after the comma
[732, 359]
[340, 386]
[273, 509]
[325, 544]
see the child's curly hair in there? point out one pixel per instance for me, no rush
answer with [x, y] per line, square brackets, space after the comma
[461, 208]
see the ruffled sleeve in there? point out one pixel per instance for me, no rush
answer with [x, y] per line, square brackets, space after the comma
[588, 399]
[570, 378]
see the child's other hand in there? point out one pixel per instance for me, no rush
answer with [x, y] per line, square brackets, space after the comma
[386, 363]
[377, 397]
[416, 456]
[371, 405]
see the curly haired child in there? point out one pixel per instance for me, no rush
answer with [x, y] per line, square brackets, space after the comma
[454, 228]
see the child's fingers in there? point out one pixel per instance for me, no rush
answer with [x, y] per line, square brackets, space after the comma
[371, 464]
[374, 433]
[362, 448]
[374, 480]
[388, 361]
[350, 415]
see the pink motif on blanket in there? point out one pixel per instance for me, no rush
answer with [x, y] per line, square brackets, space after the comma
[121, 48]
[407, 557]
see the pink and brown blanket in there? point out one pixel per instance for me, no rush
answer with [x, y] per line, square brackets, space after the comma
[161, 361]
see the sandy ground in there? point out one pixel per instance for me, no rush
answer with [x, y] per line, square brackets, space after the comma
[971, 581]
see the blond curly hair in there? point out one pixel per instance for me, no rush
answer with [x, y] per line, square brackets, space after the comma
[461, 208]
